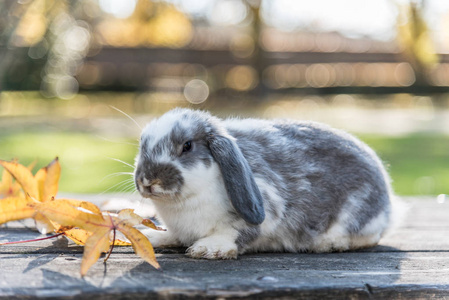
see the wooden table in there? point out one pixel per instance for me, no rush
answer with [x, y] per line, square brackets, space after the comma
[412, 261]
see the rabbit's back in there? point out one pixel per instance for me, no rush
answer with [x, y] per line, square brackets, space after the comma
[320, 185]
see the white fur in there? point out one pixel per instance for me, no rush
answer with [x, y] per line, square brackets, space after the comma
[219, 245]
[270, 224]
[158, 189]
[371, 233]
[159, 128]
[335, 238]
[200, 219]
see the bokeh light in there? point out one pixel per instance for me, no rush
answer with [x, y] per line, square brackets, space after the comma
[118, 8]
[196, 91]
[234, 46]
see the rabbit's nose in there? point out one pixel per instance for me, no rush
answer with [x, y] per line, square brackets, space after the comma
[147, 185]
[141, 181]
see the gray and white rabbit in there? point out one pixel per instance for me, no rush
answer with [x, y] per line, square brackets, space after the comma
[226, 187]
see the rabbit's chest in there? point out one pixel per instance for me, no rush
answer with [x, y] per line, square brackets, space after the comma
[195, 218]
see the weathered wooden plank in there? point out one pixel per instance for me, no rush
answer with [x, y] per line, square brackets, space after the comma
[337, 275]
[401, 240]
[425, 212]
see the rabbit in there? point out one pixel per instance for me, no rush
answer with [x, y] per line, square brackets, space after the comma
[224, 187]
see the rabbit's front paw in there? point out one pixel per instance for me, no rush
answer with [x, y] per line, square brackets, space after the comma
[213, 247]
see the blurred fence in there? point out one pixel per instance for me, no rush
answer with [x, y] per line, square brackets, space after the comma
[63, 47]
[200, 73]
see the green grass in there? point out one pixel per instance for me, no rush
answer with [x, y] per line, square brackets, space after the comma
[87, 161]
[418, 164]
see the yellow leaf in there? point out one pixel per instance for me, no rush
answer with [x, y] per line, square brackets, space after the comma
[40, 178]
[15, 208]
[64, 213]
[134, 219]
[83, 204]
[118, 242]
[95, 245]
[149, 223]
[23, 176]
[140, 243]
[77, 235]
[9, 188]
[47, 179]
[130, 217]
[50, 188]
[43, 224]
[79, 214]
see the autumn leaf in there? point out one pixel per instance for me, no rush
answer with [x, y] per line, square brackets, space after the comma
[8, 187]
[41, 187]
[96, 244]
[15, 208]
[150, 224]
[23, 176]
[75, 213]
[140, 243]
[77, 235]
[68, 213]
[129, 216]
[47, 179]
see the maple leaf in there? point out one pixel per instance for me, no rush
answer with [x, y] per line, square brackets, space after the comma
[23, 177]
[80, 236]
[47, 180]
[15, 208]
[41, 187]
[73, 213]
[8, 187]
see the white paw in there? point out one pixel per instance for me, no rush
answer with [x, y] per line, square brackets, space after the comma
[160, 238]
[213, 248]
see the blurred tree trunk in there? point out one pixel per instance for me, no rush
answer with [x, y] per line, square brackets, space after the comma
[9, 24]
[414, 35]
[257, 57]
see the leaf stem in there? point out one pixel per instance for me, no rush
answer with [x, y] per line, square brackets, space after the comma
[35, 240]
[113, 240]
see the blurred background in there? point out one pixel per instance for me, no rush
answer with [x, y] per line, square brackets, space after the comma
[78, 78]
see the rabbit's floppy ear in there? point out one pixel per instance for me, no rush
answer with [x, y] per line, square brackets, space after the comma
[238, 178]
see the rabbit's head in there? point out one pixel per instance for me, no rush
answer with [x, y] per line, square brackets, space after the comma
[184, 152]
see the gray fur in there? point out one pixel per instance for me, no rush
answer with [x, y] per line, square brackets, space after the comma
[247, 235]
[315, 171]
[314, 168]
[238, 178]
[167, 174]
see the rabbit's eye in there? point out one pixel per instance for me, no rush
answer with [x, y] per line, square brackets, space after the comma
[187, 146]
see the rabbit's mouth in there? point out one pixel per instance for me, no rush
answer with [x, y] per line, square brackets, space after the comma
[153, 190]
